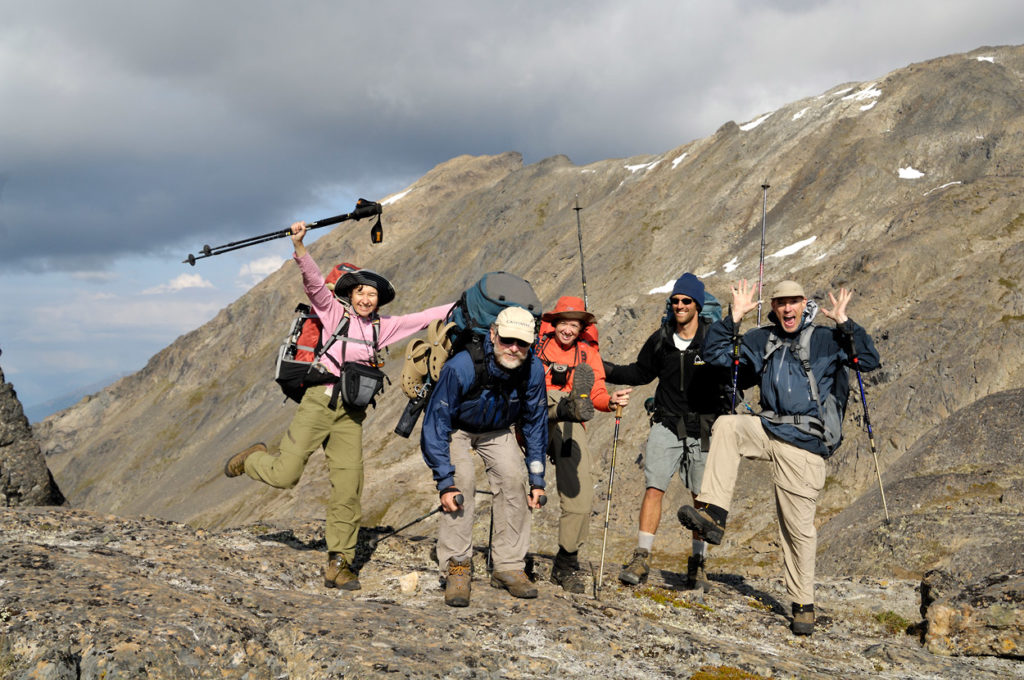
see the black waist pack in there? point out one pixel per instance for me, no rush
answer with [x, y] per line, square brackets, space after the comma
[359, 384]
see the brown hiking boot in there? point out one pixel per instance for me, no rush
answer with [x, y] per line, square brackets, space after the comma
[338, 574]
[515, 582]
[637, 569]
[458, 577]
[701, 521]
[696, 576]
[236, 463]
[803, 619]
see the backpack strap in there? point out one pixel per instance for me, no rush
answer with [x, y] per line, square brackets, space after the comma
[339, 334]
[483, 380]
[802, 350]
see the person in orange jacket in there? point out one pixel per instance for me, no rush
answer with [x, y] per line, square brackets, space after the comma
[574, 375]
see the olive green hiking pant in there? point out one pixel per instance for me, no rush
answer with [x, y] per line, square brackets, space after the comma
[340, 432]
[574, 478]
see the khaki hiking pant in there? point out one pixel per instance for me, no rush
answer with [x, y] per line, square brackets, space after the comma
[799, 477]
[505, 467]
[574, 478]
[340, 432]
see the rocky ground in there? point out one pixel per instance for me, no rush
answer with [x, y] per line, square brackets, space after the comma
[92, 596]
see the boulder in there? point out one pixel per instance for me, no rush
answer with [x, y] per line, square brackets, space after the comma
[981, 618]
[24, 477]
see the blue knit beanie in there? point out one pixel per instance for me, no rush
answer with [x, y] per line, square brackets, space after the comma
[690, 286]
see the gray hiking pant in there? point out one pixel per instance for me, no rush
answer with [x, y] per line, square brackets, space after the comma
[505, 467]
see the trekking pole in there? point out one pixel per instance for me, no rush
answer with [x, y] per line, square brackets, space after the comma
[764, 222]
[364, 208]
[608, 503]
[867, 425]
[579, 237]
[372, 543]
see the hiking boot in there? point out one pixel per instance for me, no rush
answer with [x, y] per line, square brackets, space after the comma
[577, 406]
[572, 579]
[703, 523]
[637, 570]
[515, 582]
[236, 463]
[696, 577]
[803, 619]
[338, 574]
[458, 578]
[582, 383]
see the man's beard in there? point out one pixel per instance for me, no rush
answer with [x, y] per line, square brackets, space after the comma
[509, 363]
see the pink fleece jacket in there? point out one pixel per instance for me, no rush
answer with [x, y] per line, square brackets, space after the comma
[330, 310]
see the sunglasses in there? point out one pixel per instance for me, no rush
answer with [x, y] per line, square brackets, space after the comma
[684, 301]
[508, 342]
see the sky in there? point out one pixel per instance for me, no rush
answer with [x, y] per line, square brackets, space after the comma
[131, 133]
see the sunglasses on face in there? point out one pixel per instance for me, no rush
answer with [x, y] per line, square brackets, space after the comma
[508, 342]
[681, 301]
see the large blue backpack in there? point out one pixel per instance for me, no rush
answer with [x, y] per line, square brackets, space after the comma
[471, 318]
[481, 303]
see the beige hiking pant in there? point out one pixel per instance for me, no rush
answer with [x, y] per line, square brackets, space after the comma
[574, 479]
[799, 477]
[340, 432]
[505, 467]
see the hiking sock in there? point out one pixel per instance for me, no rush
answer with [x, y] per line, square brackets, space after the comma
[699, 547]
[645, 540]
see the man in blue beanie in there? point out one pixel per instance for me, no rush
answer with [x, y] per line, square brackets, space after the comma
[689, 396]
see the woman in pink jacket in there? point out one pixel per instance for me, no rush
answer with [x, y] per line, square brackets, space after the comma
[326, 418]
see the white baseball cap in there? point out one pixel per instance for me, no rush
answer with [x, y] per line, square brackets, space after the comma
[515, 322]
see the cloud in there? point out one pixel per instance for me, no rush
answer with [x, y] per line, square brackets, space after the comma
[253, 272]
[178, 283]
[135, 146]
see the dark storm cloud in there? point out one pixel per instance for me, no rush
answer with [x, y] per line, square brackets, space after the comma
[145, 127]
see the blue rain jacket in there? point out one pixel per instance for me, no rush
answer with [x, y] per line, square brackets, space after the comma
[784, 386]
[492, 409]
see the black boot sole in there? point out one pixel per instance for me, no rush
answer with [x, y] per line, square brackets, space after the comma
[691, 518]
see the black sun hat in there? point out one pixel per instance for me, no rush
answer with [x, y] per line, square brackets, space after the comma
[365, 277]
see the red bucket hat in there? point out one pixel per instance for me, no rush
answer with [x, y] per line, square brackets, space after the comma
[571, 308]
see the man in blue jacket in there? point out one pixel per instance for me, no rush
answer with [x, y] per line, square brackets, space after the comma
[481, 392]
[793, 426]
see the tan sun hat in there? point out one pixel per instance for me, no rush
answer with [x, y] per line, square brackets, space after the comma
[788, 289]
